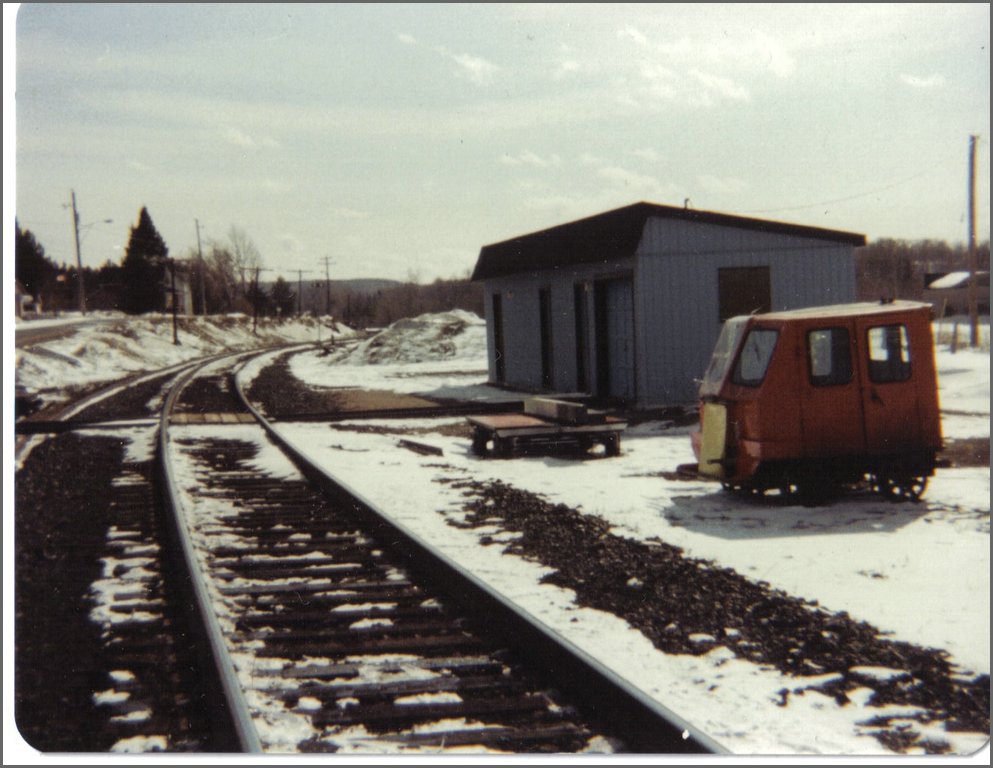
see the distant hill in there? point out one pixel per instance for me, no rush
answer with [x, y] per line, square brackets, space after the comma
[360, 285]
[315, 292]
[366, 302]
[363, 285]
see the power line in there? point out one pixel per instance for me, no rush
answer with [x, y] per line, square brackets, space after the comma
[869, 193]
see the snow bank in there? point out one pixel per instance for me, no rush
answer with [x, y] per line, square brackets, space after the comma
[443, 336]
[108, 347]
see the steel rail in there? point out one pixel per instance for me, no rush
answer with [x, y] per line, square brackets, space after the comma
[648, 725]
[227, 690]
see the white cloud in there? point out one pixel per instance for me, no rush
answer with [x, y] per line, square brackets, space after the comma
[629, 180]
[647, 154]
[570, 62]
[660, 82]
[239, 138]
[477, 69]
[530, 158]
[778, 59]
[474, 68]
[757, 51]
[631, 33]
[723, 86]
[697, 71]
[136, 165]
[931, 81]
[565, 68]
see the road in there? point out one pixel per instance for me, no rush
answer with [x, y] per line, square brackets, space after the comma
[27, 333]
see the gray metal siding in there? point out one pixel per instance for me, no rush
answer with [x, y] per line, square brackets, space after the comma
[618, 337]
[677, 298]
[521, 338]
[522, 330]
[675, 303]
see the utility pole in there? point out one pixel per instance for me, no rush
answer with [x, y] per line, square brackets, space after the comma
[327, 286]
[175, 302]
[973, 308]
[300, 290]
[255, 299]
[79, 259]
[203, 293]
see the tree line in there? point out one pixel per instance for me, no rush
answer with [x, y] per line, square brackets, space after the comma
[899, 269]
[225, 278]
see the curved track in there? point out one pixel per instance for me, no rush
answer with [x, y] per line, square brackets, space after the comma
[102, 662]
[339, 621]
[317, 625]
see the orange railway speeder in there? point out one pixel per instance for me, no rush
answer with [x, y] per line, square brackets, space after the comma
[807, 401]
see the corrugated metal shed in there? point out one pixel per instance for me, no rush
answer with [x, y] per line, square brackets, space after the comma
[627, 304]
[616, 234]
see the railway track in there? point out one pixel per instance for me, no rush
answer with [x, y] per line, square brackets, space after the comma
[321, 627]
[101, 659]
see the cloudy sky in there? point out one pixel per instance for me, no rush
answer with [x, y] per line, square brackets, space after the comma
[396, 140]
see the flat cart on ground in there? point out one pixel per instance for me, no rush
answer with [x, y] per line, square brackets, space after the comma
[546, 426]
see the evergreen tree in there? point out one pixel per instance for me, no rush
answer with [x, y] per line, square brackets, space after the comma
[283, 298]
[32, 268]
[143, 272]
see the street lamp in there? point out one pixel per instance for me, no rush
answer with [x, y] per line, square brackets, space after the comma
[80, 286]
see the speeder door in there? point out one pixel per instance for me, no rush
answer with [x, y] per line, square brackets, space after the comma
[892, 418]
[830, 398]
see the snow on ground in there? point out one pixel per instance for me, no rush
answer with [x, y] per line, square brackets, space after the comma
[104, 347]
[918, 571]
[425, 338]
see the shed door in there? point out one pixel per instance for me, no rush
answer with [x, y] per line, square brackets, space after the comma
[615, 339]
[500, 364]
[545, 322]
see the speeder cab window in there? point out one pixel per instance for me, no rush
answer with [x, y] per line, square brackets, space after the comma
[753, 361]
[830, 357]
[889, 354]
[720, 361]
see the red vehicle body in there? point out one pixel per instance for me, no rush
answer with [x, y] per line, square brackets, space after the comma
[807, 401]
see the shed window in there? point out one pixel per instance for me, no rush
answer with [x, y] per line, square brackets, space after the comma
[889, 354]
[829, 353]
[753, 361]
[743, 291]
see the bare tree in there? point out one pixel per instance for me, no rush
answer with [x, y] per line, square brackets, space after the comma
[244, 252]
[222, 277]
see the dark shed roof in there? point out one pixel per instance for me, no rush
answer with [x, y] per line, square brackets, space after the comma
[614, 235]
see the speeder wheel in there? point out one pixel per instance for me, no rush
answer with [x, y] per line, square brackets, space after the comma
[899, 487]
